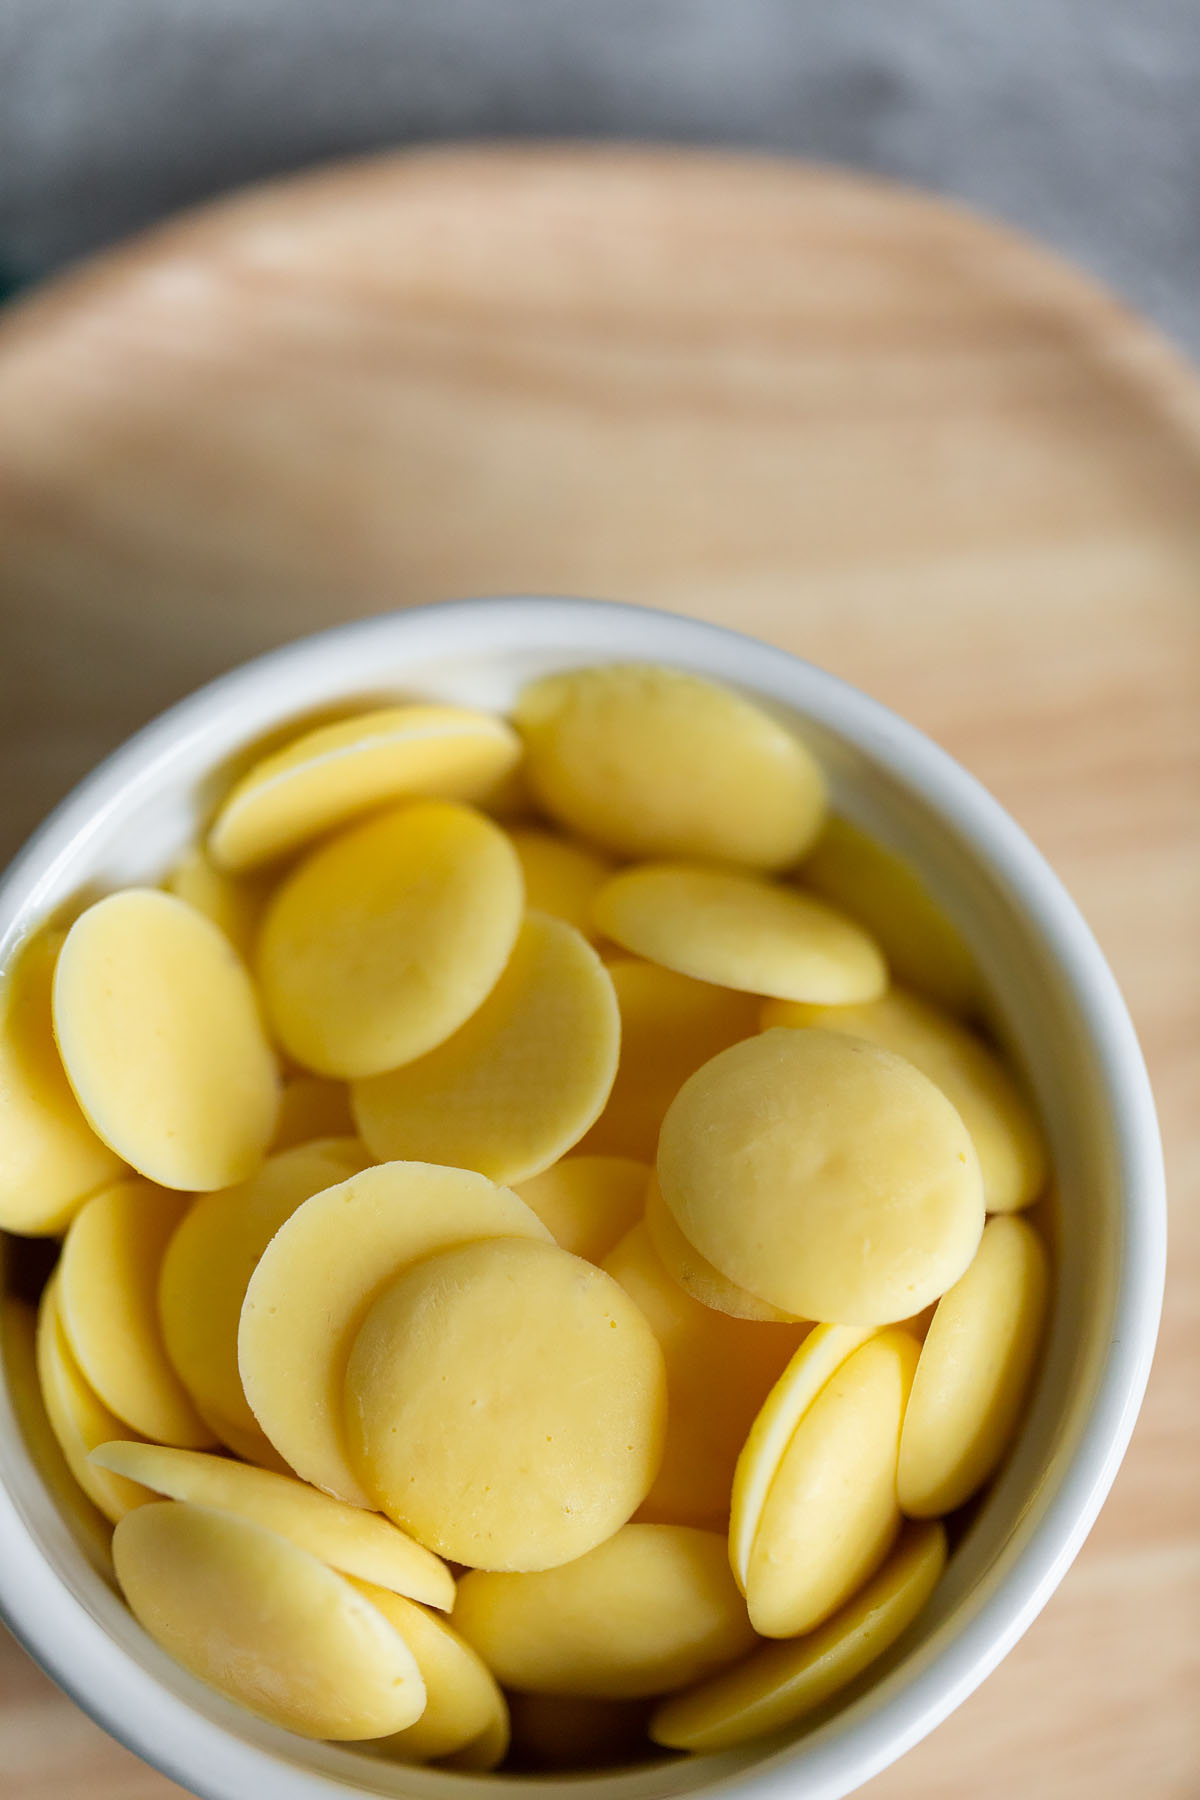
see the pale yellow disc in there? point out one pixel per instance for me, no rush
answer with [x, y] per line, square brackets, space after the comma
[974, 1371]
[18, 1356]
[521, 1081]
[648, 1610]
[740, 931]
[50, 1158]
[695, 1274]
[265, 1623]
[384, 940]
[314, 1285]
[347, 1538]
[657, 762]
[77, 1418]
[887, 896]
[782, 1683]
[235, 907]
[821, 1355]
[462, 1698]
[208, 1265]
[506, 1404]
[831, 1513]
[824, 1175]
[561, 878]
[313, 1106]
[1005, 1133]
[331, 775]
[719, 1371]
[160, 1034]
[670, 1025]
[108, 1304]
[588, 1202]
[566, 1731]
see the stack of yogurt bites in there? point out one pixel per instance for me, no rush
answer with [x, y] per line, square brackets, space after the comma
[541, 1246]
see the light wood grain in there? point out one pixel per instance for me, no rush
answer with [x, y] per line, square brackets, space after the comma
[854, 422]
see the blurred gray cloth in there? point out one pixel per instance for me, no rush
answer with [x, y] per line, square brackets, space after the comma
[1076, 119]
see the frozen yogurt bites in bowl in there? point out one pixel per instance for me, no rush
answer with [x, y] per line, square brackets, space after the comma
[716, 986]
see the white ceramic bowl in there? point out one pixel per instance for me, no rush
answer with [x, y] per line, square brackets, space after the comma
[1052, 998]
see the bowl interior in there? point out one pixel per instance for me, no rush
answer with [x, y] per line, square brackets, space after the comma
[1050, 999]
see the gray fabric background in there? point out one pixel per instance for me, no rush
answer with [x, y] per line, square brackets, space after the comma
[1078, 119]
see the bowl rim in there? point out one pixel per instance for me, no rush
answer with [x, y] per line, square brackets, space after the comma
[73, 1646]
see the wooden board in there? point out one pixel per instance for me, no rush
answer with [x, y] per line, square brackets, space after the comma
[850, 420]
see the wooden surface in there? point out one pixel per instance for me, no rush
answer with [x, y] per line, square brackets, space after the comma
[853, 422]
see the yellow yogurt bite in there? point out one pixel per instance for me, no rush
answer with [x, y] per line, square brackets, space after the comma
[506, 1404]
[315, 1283]
[824, 1175]
[740, 931]
[235, 907]
[386, 939]
[347, 1538]
[464, 1705]
[79, 1420]
[782, 1683]
[651, 1609]
[648, 761]
[884, 893]
[974, 1370]
[670, 1024]
[588, 1202]
[719, 1371]
[1005, 1134]
[265, 1622]
[831, 1514]
[520, 1082]
[331, 774]
[695, 1274]
[50, 1159]
[816, 1360]
[207, 1268]
[561, 877]
[108, 1304]
[18, 1353]
[159, 1031]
